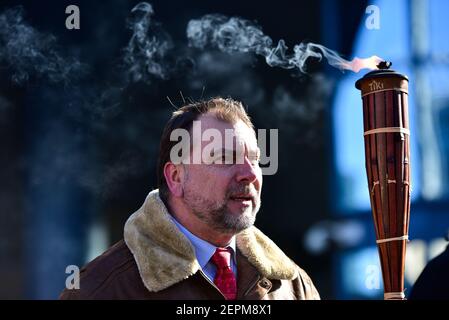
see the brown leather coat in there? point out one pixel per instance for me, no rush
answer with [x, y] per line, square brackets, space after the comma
[156, 261]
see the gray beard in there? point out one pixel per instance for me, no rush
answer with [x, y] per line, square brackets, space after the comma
[216, 214]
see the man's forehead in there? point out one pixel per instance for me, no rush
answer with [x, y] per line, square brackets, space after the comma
[239, 128]
[231, 136]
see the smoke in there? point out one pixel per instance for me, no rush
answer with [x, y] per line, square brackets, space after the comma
[216, 73]
[106, 178]
[146, 54]
[230, 70]
[228, 34]
[300, 113]
[27, 53]
[114, 109]
[233, 35]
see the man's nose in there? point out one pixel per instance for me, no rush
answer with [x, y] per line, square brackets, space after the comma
[246, 172]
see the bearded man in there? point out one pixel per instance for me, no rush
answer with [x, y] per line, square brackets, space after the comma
[193, 238]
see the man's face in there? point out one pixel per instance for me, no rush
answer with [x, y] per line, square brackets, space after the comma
[224, 195]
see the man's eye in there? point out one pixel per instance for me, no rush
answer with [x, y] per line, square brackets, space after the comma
[219, 158]
[254, 160]
[229, 158]
[226, 158]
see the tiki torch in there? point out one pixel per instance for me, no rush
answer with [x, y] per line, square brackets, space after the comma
[387, 161]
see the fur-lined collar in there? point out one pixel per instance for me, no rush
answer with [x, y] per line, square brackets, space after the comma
[165, 256]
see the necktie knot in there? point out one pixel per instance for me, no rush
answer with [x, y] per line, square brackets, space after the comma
[224, 278]
[222, 258]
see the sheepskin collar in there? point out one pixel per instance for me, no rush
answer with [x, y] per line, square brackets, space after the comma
[164, 256]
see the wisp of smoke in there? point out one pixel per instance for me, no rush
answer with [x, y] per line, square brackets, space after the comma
[239, 35]
[28, 53]
[147, 49]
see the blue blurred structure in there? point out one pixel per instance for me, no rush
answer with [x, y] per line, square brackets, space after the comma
[412, 35]
[57, 210]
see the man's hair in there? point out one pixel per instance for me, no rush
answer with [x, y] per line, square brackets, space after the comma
[227, 110]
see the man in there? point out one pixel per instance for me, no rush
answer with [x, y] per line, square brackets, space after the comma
[433, 282]
[194, 238]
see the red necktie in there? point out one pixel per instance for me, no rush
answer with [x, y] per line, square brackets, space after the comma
[225, 278]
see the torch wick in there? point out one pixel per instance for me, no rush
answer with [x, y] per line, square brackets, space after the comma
[384, 65]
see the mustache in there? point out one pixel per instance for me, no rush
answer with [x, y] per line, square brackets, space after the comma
[248, 190]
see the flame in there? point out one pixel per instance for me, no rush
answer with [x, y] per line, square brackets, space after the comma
[358, 64]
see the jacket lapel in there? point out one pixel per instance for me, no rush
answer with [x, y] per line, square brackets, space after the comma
[164, 256]
[247, 279]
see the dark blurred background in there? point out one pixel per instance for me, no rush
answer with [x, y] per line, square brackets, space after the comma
[81, 113]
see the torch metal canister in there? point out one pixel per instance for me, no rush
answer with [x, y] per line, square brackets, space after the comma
[387, 161]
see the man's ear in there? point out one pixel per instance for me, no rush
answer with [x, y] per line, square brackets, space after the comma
[174, 176]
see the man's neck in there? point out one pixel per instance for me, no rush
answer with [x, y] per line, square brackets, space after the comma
[198, 227]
